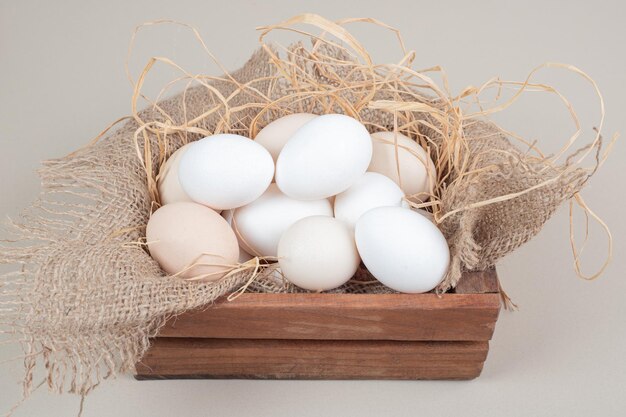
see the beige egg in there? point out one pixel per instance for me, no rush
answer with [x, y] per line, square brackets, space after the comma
[318, 253]
[417, 172]
[170, 190]
[244, 256]
[274, 136]
[183, 234]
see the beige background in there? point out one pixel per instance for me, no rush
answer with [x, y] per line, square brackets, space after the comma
[562, 353]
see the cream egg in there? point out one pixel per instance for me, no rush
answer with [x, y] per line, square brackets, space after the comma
[191, 240]
[274, 136]
[403, 249]
[261, 223]
[413, 169]
[370, 191]
[244, 256]
[169, 187]
[324, 157]
[318, 253]
[225, 171]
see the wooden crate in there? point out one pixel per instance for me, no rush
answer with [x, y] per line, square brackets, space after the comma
[332, 336]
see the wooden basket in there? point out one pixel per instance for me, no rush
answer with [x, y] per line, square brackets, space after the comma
[332, 336]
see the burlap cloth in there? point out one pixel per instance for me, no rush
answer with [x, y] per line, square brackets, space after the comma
[85, 299]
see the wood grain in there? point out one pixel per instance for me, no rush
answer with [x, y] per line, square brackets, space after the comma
[478, 282]
[332, 336]
[311, 359]
[344, 317]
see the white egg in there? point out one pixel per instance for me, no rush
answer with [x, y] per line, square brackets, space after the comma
[323, 158]
[370, 191]
[225, 171]
[169, 187]
[417, 172]
[318, 253]
[274, 136]
[245, 252]
[261, 223]
[402, 249]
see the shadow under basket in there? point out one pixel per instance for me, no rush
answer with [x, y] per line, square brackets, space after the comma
[332, 336]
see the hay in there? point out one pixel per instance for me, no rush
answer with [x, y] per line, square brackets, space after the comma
[85, 297]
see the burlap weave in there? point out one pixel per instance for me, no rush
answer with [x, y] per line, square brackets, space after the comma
[85, 298]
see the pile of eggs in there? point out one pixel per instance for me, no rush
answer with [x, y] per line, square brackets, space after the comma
[319, 194]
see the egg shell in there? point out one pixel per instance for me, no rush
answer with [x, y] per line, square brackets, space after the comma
[244, 256]
[402, 249]
[318, 253]
[274, 136]
[370, 191]
[261, 223]
[245, 252]
[181, 234]
[323, 158]
[225, 171]
[417, 171]
[169, 187]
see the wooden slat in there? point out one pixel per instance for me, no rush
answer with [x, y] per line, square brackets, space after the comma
[311, 359]
[478, 282]
[332, 336]
[414, 317]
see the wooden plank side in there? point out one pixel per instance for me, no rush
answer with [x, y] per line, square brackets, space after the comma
[311, 359]
[478, 282]
[450, 317]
